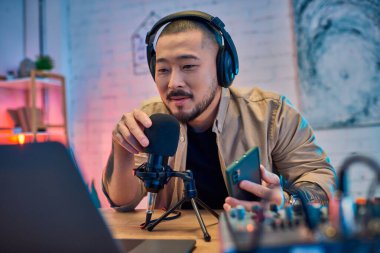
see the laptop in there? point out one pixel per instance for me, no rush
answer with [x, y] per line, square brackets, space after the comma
[45, 206]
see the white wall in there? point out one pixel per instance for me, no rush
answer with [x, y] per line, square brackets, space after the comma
[20, 40]
[103, 84]
[11, 35]
[32, 29]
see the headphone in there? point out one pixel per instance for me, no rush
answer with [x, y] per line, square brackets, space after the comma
[342, 206]
[369, 162]
[227, 62]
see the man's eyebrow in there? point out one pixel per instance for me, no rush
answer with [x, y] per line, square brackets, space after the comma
[187, 56]
[180, 57]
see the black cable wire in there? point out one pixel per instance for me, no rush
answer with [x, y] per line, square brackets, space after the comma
[176, 214]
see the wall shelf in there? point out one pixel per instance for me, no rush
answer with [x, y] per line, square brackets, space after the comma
[38, 87]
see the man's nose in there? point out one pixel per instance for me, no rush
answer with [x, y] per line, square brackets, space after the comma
[176, 80]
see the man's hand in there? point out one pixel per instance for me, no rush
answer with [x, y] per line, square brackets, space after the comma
[270, 189]
[129, 131]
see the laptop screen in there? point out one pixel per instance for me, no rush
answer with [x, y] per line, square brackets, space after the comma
[45, 206]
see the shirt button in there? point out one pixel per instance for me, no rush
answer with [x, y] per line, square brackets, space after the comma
[182, 139]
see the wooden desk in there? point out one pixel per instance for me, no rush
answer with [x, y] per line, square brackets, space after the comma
[126, 225]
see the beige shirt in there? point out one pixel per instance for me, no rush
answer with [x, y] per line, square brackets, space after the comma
[248, 118]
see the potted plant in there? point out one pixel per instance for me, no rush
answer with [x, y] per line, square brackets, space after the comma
[44, 62]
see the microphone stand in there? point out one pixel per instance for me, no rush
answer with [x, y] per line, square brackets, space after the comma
[190, 194]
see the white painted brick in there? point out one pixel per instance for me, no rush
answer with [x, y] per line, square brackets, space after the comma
[103, 86]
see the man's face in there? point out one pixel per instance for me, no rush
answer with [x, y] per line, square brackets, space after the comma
[186, 73]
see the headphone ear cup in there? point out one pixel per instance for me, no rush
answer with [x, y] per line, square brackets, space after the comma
[228, 68]
[220, 67]
[151, 58]
[152, 66]
[224, 68]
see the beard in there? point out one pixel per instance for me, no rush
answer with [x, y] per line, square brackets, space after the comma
[198, 108]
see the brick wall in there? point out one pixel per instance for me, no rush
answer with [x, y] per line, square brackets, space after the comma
[103, 83]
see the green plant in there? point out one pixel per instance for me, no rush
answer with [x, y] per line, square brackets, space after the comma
[44, 62]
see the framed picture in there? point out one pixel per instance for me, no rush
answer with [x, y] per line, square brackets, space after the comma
[338, 54]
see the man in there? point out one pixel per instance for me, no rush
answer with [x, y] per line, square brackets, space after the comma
[218, 125]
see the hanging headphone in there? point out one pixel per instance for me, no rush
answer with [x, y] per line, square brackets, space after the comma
[227, 62]
[344, 207]
[360, 159]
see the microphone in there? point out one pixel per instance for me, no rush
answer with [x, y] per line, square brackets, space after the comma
[163, 138]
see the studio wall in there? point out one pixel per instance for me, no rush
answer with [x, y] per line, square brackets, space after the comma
[109, 74]
[99, 47]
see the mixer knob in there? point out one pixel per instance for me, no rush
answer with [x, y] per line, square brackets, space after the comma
[240, 212]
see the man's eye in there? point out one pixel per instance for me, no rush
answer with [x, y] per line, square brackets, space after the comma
[187, 67]
[162, 70]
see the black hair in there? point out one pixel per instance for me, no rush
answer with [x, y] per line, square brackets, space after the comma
[184, 25]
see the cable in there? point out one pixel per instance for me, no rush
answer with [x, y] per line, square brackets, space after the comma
[148, 220]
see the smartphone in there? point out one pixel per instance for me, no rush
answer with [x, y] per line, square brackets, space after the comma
[246, 168]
